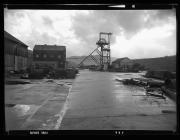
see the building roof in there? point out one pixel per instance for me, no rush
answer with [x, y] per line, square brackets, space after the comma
[49, 47]
[120, 59]
[10, 37]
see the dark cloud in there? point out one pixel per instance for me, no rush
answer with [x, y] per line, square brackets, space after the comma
[36, 37]
[9, 12]
[85, 27]
[47, 21]
[46, 38]
[159, 17]
[128, 22]
[164, 14]
[20, 15]
[14, 13]
[88, 27]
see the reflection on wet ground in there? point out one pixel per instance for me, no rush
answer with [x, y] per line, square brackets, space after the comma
[9, 105]
[98, 101]
[95, 96]
[18, 113]
[35, 105]
[22, 110]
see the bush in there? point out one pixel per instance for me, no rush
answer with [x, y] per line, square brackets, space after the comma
[159, 74]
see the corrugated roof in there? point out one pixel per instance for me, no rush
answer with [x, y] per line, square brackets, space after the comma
[49, 47]
[10, 37]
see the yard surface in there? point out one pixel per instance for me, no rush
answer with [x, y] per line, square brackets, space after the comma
[92, 101]
[97, 101]
[35, 106]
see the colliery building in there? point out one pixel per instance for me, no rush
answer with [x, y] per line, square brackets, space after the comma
[16, 53]
[49, 56]
[122, 64]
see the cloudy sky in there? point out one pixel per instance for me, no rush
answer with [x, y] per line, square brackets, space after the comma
[136, 33]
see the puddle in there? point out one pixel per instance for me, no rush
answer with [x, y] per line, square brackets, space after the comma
[50, 81]
[68, 83]
[61, 84]
[22, 110]
[17, 82]
[10, 105]
[168, 111]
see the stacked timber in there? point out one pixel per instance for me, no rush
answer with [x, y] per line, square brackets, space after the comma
[154, 91]
[141, 82]
[133, 82]
[154, 87]
[155, 83]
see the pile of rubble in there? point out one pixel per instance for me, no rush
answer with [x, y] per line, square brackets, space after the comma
[69, 73]
[154, 87]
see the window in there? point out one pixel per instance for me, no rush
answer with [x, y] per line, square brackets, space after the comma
[36, 66]
[59, 56]
[45, 56]
[37, 56]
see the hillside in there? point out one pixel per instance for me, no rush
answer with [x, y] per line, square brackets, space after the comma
[160, 63]
[89, 61]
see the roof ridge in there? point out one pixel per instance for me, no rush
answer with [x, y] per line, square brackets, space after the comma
[11, 37]
[49, 47]
[119, 59]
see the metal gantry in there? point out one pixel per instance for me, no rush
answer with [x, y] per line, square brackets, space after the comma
[103, 50]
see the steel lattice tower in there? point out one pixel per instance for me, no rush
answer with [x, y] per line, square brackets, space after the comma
[103, 50]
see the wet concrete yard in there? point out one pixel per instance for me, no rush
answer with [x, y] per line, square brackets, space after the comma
[96, 101]
[36, 105]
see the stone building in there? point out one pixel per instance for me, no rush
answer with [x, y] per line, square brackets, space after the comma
[49, 56]
[122, 64]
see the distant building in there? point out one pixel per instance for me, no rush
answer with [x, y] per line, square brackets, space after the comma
[49, 56]
[122, 64]
[16, 53]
